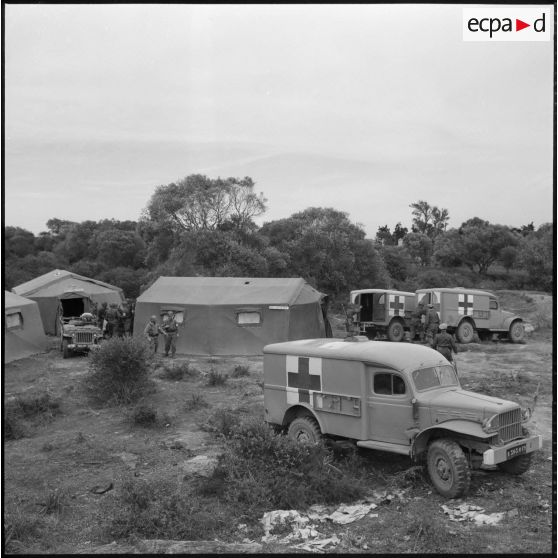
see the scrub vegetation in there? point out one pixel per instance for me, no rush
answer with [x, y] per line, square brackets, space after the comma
[192, 462]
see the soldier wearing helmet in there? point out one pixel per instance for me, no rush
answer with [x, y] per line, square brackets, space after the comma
[443, 342]
[431, 324]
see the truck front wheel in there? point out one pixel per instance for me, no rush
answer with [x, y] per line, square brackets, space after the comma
[305, 429]
[516, 466]
[465, 332]
[395, 332]
[517, 332]
[448, 468]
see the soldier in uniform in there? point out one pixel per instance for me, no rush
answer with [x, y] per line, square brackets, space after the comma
[443, 342]
[152, 331]
[416, 326]
[431, 324]
[101, 316]
[112, 317]
[170, 330]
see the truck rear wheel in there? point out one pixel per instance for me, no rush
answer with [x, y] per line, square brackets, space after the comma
[65, 348]
[516, 466]
[517, 332]
[465, 332]
[395, 331]
[305, 429]
[448, 468]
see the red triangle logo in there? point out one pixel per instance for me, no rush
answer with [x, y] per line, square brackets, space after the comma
[519, 25]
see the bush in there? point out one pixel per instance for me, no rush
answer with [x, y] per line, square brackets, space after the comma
[32, 407]
[215, 378]
[164, 509]
[178, 371]
[263, 470]
[19, 528]
[118, 371]
[222, 422]
[144, 414]
[240, 370]
[196, 401]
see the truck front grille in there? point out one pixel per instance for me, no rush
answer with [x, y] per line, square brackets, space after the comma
[83, 337]
[509, 427]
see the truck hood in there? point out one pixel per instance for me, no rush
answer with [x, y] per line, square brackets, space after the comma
[461, 404]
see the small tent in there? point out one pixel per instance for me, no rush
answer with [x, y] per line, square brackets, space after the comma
[47, 289]
[233, 315]
[23, 328]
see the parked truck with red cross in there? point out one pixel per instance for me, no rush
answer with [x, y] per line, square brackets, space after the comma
[467, 311]
[383, 312]
[404, 399]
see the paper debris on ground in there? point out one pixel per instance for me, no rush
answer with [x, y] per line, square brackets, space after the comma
[469, 512]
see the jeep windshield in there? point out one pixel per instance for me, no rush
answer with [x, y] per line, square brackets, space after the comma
[434, 377]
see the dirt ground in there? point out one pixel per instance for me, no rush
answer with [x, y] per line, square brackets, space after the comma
[87, 449]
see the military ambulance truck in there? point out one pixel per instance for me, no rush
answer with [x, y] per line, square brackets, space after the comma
[467, 310]
[383, 312]
[404, 399]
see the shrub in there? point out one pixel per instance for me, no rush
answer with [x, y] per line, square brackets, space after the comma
[240, 370]
[164, 509]
[53, 501]
[222, 422]
[196, 401]
[32, 407]
[144, 414]
[19, 528]
[215, 378]
[264, 470]
[118, 371]
[176, 371]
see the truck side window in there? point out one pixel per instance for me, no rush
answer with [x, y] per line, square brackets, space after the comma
[493, 304]
[388, 384]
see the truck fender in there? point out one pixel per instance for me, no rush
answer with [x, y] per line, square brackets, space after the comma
[299, 410]
[448, 429]
[508, 321]
[466, 319]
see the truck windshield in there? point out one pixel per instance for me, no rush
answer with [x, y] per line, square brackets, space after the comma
[435, 376]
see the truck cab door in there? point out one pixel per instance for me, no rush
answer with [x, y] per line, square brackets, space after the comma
[390, 411]
[494, 314]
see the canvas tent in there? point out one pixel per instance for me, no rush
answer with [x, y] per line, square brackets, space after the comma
[23, 328]
[47, 289]
[233, 315]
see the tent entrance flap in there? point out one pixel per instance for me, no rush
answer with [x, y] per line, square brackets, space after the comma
[71, 307]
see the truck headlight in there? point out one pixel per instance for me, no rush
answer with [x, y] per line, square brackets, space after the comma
[490, 424]
[526, 414]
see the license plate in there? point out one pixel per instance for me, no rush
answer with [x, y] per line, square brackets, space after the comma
[518, 450]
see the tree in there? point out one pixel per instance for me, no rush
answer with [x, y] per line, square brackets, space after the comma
[201, 203]
[325, 248]
[536, 255]
[477, 244]
[19, 242]
[119, 248]
[429, 220]
[398, 262]
[420, 247]
[384, 236]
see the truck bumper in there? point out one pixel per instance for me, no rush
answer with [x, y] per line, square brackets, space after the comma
[516, 448]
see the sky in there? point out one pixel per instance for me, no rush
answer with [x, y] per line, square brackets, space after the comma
[364, 108]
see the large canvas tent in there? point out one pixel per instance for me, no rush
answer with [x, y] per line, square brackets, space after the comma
[23, 328]
[233, 315]
[47, 289]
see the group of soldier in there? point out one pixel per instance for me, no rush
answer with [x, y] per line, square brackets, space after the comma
[431, 331]
[115, 320]
[168, 328]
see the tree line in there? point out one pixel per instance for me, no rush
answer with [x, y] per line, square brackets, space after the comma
[200, 226]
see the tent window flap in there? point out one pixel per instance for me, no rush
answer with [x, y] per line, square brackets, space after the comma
[14, 321]
[248, 318]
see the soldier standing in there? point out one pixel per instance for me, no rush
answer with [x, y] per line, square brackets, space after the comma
[431, 324]
[443, 342]
[170, 329]
[112, 317]
[416, 326]
[101, 316]
[151, 331]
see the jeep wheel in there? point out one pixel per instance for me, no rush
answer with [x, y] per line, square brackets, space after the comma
[517, 332]
[516, 466]
[448, 468]
[395, 332]
[305, 429]
[465, 332]
[65, 349]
